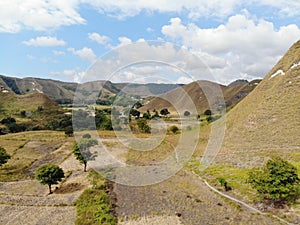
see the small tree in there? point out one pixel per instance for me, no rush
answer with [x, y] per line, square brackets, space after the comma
[277, 181]
[208, 112]
[147, 115]
[174, 129]
[224, 183]
[4, 157]
[82, 153]
[49, 174]
[164, 112]
[186, 113]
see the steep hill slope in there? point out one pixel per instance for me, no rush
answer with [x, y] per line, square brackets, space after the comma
[267, 121]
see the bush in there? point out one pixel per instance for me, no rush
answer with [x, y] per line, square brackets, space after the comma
[277, 181]
[174, 129]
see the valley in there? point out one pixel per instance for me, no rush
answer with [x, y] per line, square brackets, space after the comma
[261, 120]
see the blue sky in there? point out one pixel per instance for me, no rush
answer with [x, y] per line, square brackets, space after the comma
[62, 40]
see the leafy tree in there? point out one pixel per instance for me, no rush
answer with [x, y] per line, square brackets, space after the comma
[143, 126]
[49, 174]
[208, 112]
[277, 181]
[8, 120]
[224, 183]
[81, 151]
[147, 115]
[164, 112]
[135, 113]
[137, 105]
[186, 113]
[4, 157]
[174, 129]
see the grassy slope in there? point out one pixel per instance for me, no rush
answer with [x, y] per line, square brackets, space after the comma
[267, 121]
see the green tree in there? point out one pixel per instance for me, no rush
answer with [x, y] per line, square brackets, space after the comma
[224, 183]
[4, 157]
[49, 174]
[164, 112]
[174, 129]
[147, 115]
[81, 151]
[208, 112]
[277, 181]
[143, 125]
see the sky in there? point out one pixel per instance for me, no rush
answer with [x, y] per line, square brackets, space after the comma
[162, 41]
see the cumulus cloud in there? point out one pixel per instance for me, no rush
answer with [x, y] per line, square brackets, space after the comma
[74, 74]
[239, 46]
[16, 15]
[148, 61]
[100, 39]
[84, 53]
[45, 41]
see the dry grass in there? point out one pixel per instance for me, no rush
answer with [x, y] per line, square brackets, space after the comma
[155, 220]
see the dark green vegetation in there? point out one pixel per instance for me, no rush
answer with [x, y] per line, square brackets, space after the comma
[81, 151]
[94, 206]
[276, 182]
[49, 174]
[4, 156]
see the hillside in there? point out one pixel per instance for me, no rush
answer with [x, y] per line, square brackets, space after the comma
[232, 95]
[63, 92]
[267, 121]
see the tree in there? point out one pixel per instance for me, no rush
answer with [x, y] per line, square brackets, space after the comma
[277, 181]
[81, 151]
[174, 129]
[49, 174]
[164, 112]
[208, 112]
[147, 115]
[4, 157]
[135, 113]
[224, 183]
[186, 113]
[143, 125]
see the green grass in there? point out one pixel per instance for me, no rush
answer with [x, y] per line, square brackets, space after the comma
[94, 205]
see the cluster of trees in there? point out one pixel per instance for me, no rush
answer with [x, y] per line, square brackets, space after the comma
[12, 126]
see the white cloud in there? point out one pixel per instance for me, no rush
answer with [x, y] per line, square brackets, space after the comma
[44, 41]
[100, 39]
[43, 15]
[74, 74]
[16, 15]
[124, 41]
[84, 53]
[240, 46]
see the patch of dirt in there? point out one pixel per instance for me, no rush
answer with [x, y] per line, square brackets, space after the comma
[69, 188]
[185, 197]
[155, 220]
